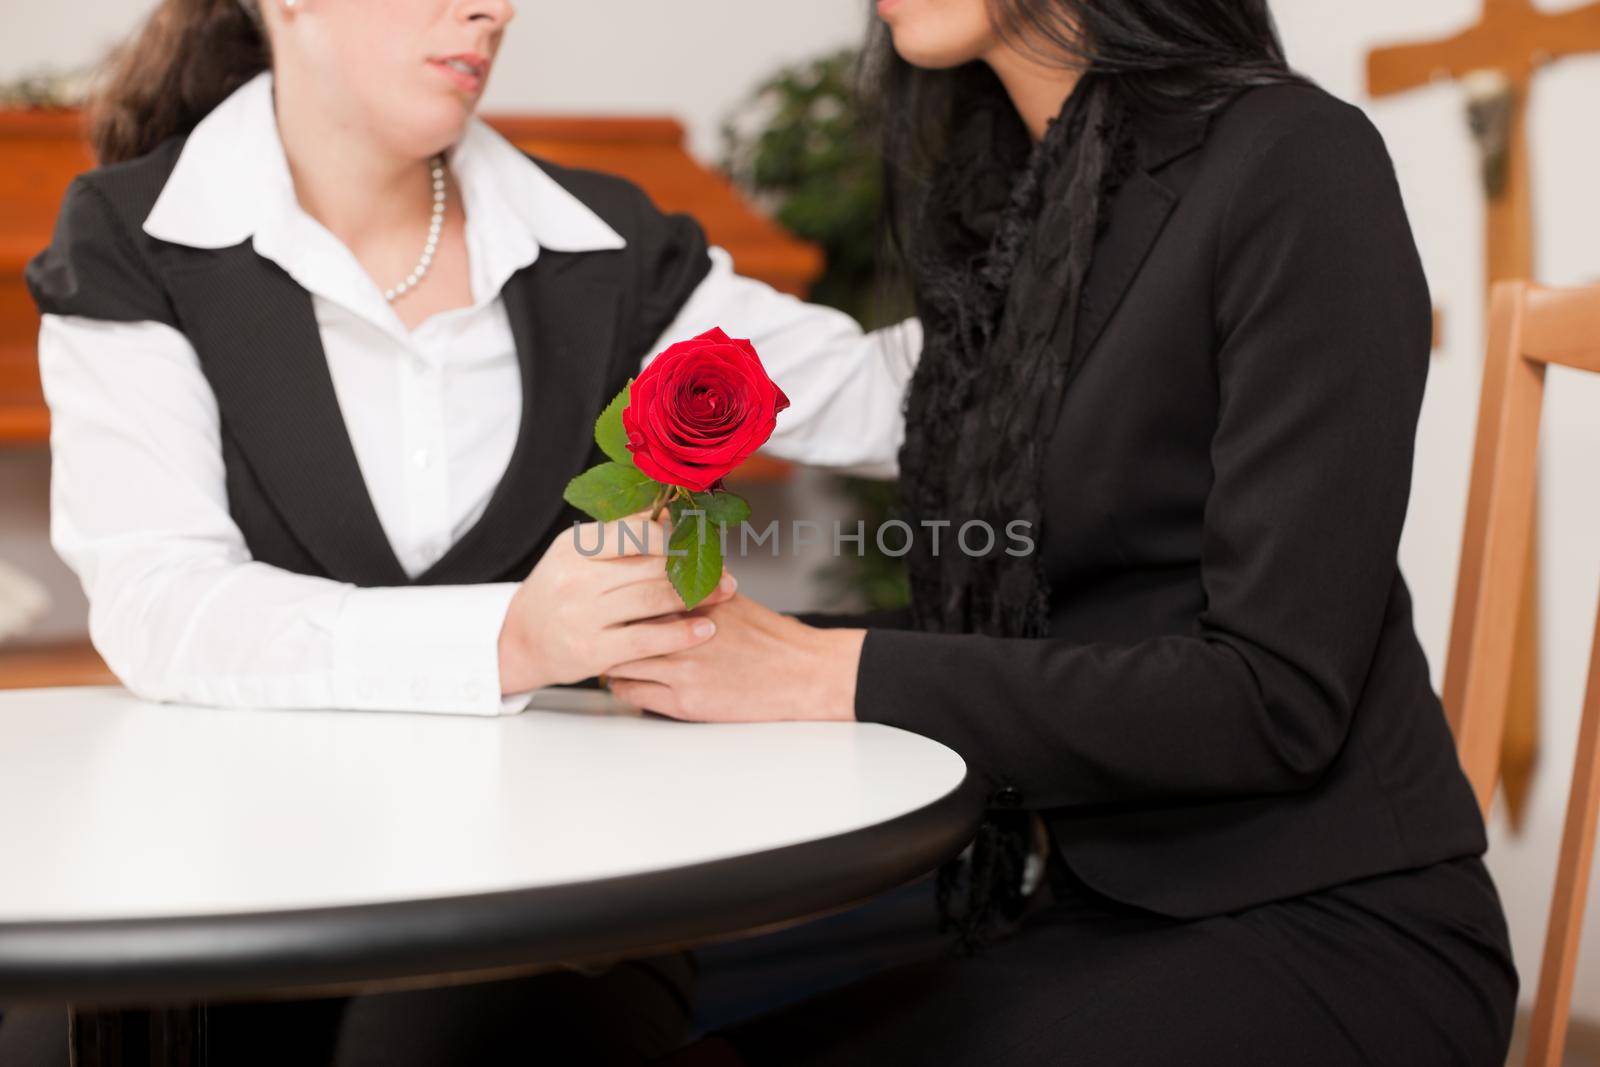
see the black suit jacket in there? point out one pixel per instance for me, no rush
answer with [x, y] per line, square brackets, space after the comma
[1231, 706]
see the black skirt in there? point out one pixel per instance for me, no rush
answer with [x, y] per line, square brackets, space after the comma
[1411, 968]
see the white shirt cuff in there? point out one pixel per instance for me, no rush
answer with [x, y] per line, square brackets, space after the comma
[512, 703]
[423, 648]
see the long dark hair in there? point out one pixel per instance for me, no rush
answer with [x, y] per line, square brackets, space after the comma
[1168, 55]
[965, 191]
[188, 56]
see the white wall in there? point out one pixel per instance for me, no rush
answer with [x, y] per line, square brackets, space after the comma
[616, 55]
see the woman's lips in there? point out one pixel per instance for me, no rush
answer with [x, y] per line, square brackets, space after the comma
[466, 72]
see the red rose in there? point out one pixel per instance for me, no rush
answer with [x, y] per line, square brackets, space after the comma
[699, 410]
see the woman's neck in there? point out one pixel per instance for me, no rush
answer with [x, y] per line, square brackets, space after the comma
[1037, 91]
[355, 186]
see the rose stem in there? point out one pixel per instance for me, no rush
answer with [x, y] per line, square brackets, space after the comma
[668, 494]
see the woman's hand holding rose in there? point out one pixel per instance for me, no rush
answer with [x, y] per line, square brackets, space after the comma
[576, 616]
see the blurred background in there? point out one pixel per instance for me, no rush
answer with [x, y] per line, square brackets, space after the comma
[759, 91]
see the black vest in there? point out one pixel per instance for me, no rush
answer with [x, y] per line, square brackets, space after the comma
[582, 322]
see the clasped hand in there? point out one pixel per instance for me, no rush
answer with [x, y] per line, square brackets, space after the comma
[614, 613]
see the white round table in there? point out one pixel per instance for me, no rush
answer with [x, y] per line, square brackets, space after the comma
[158, 852]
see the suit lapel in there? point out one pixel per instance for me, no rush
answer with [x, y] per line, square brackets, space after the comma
[1139, 212]
[563, 313]
[255, 332]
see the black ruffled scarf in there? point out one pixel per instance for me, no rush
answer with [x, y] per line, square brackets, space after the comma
[1005, 234]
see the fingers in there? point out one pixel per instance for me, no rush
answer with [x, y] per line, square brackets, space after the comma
[632, 535]
[723, 593]
[612, 573]
[653, 597]
[647, 695]
[640, 600]
[642, 640]
[656, 669]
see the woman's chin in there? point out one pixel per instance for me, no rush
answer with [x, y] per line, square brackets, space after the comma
[430, 127]
[932, 55]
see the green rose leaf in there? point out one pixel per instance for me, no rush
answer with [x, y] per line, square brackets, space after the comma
[611, 490]
[608, 431]
[725, 509]
[694, 558]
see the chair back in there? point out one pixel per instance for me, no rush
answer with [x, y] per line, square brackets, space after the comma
[1530, 327]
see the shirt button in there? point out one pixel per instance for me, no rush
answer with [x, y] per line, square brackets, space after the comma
[1007, 797]
[421, 457]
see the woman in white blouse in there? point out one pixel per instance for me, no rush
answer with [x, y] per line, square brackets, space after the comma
[321, 349]
[323, 167]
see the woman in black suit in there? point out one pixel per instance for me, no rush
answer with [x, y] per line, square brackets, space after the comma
[1174, 320]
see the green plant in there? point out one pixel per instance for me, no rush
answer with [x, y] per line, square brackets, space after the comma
[804, 149]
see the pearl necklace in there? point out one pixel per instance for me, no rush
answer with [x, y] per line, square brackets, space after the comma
[436, 224]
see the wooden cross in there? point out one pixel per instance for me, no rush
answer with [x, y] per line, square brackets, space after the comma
[1510, 42]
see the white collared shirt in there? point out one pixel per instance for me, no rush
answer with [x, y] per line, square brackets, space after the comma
[139, 508]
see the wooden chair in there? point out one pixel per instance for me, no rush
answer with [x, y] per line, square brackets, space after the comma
[1529, 328]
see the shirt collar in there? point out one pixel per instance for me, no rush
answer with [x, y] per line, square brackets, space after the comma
[232, 182]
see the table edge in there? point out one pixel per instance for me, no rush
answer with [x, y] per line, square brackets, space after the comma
[165, 958]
